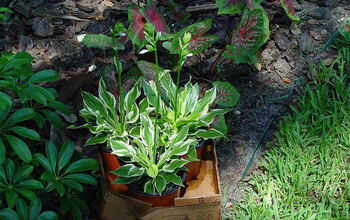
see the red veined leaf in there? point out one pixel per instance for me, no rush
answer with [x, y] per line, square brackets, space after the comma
[219, 124]
[251, 33]
[175, 11]
[287, 5]
[226, 94]
[137, 23]
[148, 70]
[230, 6]
[153, 16]
[199, 41]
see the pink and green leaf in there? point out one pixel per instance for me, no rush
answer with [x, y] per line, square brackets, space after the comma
[136, 28]
[251, 33]
[288, 6]
[226, 94]
[175, 10]
[148, 70]
[152, 15]
[199, 41]
[230, 6]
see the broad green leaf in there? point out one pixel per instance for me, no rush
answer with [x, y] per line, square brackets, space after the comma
[18, 60]
[106, 97]
[11, 198]
[53, 118]
[174, 164]
[98, 139]
[8, 214]
[6, 10]
[26, 132]
[5, 100]
[209, 117]
[173, 178]
[43, 161]
[121, 148]
[22, 209]
[202, 106]
[39, 119]
[28, 194]
[227, 95]
[10, 169]
[52, 154]
[59, 188]
[85, 164]
[124, 180]
[129, 170]
[160, 184]
[147, 130]
[30, 184]
[59, 106]
[48, 215]
[209, 134]
[183, 147]
[19, 116]
[101, 41]
[65, 154]
[72, 184]
[82, 178]
[20, 148]
[44, 76]
[35, 93]
[34, 209]
[2, 151]
[23, 173]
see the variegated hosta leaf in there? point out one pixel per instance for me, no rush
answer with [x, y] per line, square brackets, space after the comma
[175, 11]
[287, 5]
[199, 41]
[251, 33]
[227, 95]
[101, 41]
[230, 6]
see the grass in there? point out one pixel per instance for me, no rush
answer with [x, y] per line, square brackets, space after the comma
[307, 175]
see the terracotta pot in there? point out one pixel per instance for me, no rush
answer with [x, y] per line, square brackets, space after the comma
[166, 199]
[111, 162]
[193, 168]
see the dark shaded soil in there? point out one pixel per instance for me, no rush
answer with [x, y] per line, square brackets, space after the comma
[284, 59]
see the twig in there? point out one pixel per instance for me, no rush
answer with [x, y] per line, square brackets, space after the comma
[201, 7]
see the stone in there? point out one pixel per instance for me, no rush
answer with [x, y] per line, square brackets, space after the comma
[25, 43]
[315, 35]
[306, 43]
[84, 7]
[282, 66]
[269, 55]
[43, 28]
[295, 29]
[282, 41]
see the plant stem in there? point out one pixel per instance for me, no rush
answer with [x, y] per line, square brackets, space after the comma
[177, 90]
[158, 103]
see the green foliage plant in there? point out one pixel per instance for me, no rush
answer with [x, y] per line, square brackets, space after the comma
[4, 17]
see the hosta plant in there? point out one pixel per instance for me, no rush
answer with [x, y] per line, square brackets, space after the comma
[16, 182]
[60, 173]
[108, 118]
[154, 166]
[16, 75]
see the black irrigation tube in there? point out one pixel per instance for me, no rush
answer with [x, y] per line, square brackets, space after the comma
[267, 129]
[273, 119]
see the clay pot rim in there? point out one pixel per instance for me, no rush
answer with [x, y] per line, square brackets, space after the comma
[154, 195]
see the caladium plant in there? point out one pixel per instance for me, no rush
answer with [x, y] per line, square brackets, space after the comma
[251, 33]
[175, 11]
[288, 6]
[227, 95]
[198, 42]
[138, 17]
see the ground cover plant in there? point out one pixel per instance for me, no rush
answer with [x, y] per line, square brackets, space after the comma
[26, 107]
[306, 176]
